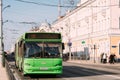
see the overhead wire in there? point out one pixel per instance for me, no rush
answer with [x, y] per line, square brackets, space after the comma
[37, 3]
[43, 4]
[11, 21]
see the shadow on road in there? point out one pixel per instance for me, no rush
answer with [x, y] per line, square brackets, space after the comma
[75, 71]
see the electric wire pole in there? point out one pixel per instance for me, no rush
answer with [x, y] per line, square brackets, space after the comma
[59, 8]
[1, 37]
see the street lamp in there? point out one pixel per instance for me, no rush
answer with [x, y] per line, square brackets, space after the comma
[59, 8]
[5, 7]
[69, 44]
[1, 32]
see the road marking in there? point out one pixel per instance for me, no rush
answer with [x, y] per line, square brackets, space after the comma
[113, 76]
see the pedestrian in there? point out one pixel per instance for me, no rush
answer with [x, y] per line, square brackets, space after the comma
[104, 57]
[112, 59]
[5, 54]
[101, 56]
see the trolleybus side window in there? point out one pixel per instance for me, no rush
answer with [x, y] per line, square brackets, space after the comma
[20, 49]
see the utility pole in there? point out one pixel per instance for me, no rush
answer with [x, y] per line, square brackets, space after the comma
[59, 8]
[94, 48]
[69, 38]
[69, 44]
[1, 36]
[94, 53]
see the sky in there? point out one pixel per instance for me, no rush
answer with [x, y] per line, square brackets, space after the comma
[37, 11]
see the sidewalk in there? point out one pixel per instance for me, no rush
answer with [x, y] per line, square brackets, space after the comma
[3, 73]
[89, 62]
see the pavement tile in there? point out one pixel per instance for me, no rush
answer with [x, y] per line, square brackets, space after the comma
[92, 63]
[3, 73]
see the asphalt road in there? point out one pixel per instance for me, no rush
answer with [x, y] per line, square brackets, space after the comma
[90, 72]
[73, 71]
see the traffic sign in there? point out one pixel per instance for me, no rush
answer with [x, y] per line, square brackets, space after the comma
[69, 44]
[83, 42]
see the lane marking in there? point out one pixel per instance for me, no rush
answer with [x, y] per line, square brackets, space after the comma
[113, 76]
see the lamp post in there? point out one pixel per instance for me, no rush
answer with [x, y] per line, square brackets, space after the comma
[1, 33]
[5, 7]
[59, 8]
[69, 44]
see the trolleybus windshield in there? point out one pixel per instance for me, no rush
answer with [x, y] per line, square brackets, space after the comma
[43, 50]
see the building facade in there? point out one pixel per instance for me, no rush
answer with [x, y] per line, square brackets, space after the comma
[91, 29]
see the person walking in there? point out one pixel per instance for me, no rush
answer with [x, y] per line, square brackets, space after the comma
[104, 58]
[112, 59]
[101, 56]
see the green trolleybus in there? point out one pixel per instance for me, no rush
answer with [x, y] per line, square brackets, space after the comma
[39, 53]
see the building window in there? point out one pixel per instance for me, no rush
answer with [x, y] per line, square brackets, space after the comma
[119, 22]
[119, 3]
[119, 48]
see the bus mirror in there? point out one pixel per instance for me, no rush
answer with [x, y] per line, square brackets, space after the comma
[63, 47]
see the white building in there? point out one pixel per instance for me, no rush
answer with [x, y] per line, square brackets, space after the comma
[93, 24]
[44, 27]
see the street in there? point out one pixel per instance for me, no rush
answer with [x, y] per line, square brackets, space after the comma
[37, 35]
[78, 71]
[73, 71]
